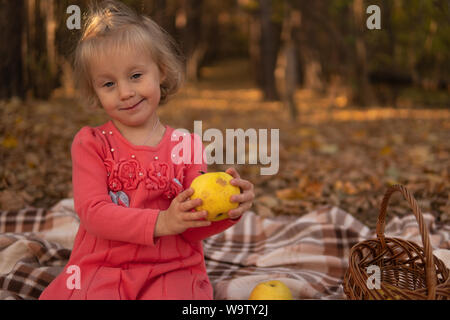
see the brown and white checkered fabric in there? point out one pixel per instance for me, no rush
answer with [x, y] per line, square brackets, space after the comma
[308, 253]
[35, 245]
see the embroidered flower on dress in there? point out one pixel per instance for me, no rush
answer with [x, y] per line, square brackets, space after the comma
[173, 190]
[130, 174]
[158, 175]
[127, 174]
[114, 184]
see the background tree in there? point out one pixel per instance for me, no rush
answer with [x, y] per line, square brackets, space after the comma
[363, 90]
[11, 63]
[269, 45]
[289, 57]
[331, 49]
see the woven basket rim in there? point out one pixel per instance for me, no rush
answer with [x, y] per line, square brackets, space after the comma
[410, 265]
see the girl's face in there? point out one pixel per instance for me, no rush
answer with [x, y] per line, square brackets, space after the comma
[127, 85]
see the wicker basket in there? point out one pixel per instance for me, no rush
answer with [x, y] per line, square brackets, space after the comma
[407, 271]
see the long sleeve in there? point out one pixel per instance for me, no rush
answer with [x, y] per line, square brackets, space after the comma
[98, 214]
[193, 170]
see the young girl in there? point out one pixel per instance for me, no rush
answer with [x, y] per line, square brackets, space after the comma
[139, 237]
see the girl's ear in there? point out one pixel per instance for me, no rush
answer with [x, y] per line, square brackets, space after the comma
[162, 75]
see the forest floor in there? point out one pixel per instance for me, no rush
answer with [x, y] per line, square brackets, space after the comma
[334, 154]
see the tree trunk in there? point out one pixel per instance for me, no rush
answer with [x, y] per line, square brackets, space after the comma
[48, 9]
[291, 24]
[40, 57]
[254, 49]
[363, 96]
[163, 13]
[312, 74]
[193, 37]
[159, 9]
[269, 47]
[11, 66]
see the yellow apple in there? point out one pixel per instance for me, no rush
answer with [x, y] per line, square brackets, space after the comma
[215, 190]
[271, 290]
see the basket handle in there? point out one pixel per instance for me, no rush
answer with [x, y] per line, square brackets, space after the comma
[430, 270]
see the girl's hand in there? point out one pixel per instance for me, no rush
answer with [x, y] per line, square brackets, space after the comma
[245, 199]
[178, 217]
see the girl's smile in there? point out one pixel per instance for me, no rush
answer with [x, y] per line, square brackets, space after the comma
[132, 107]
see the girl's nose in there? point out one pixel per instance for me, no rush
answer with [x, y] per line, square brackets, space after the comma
[126, 92]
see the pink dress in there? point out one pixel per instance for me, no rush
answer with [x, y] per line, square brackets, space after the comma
[119, 189]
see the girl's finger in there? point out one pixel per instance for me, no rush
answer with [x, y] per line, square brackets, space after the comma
[193, 216]
[190, 204]
[243, 197]
[237, 198]
[243, 184]
[240, 210]
[233, 214]
[197, 224]
[232, 171]
[183, 196]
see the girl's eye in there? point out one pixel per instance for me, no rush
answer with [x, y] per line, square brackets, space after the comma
[108, 84]
[136, 75]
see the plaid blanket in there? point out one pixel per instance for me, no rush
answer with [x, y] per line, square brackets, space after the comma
[308, 253]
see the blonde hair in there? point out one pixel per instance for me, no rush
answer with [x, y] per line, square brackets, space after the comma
[111, 25]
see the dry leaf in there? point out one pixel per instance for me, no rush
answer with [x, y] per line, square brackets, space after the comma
[10, 200]
[289, 194]
[9, 142]
[314, 189]
[268, 201]
[387, 150]
[263, 211]
[329, 148]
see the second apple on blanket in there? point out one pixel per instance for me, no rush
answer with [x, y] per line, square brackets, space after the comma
[271, 290]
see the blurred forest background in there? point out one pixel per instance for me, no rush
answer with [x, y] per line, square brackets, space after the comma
[358, 109]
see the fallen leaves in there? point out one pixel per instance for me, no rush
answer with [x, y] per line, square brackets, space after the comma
[346, 161]
[9, 142]
[329, 149]
[346, 187]
[289, 194]
[35, 140]
[387, 150]
[366, 159]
